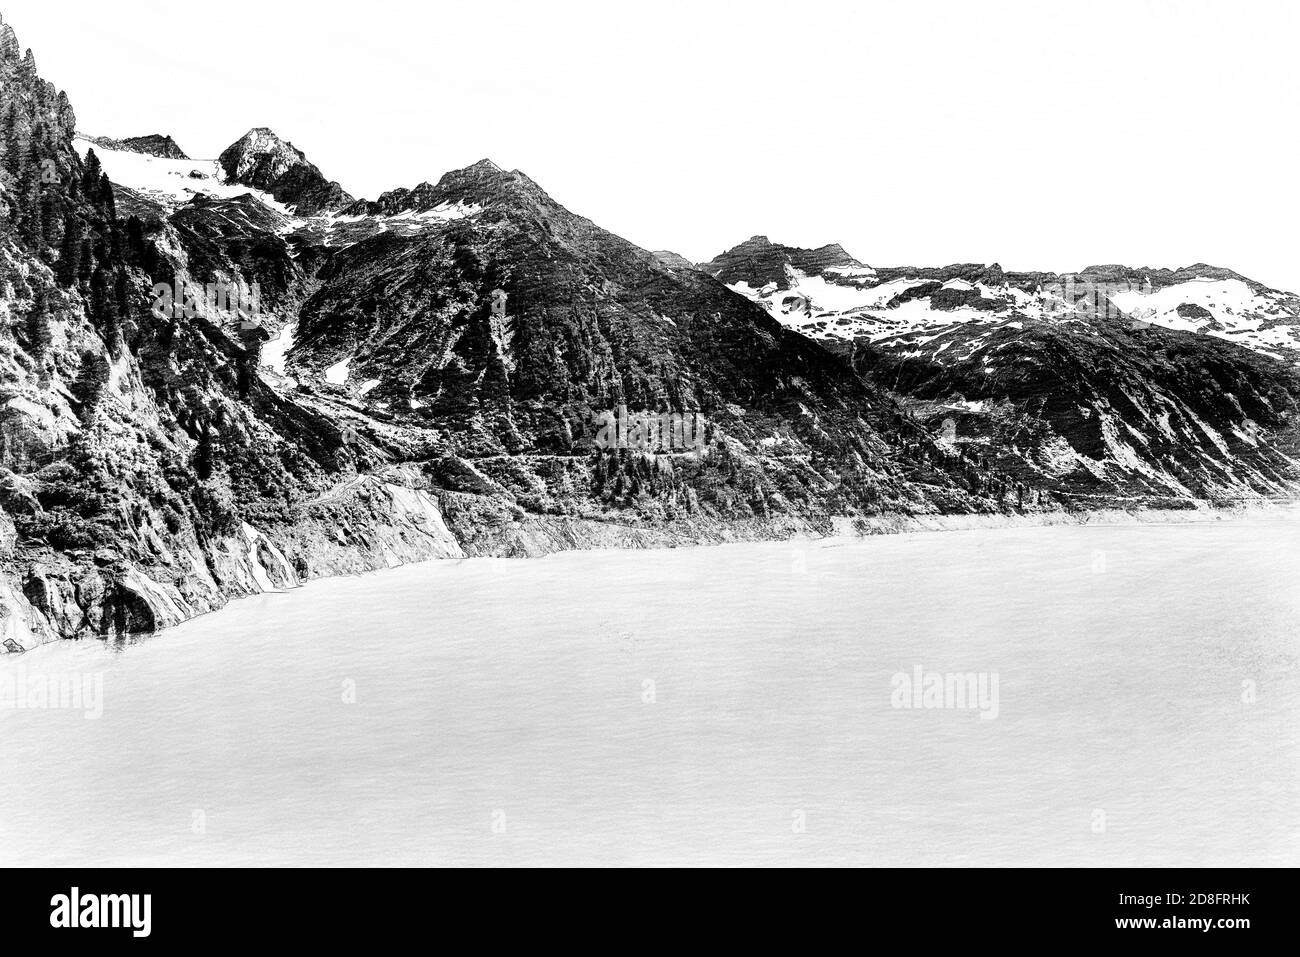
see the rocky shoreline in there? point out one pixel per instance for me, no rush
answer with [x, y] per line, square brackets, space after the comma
[407, 525]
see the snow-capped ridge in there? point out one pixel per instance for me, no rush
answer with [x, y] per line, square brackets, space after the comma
[892, 305]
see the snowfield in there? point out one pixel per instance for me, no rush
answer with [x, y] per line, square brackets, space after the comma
[170, 182]
[848, 303]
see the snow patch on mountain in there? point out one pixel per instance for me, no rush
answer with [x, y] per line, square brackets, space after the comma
[337, 374]
[830, 297]
[1230, 309]
[822, 308]
[171, 183]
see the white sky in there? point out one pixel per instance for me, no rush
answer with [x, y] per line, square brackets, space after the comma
[1041, 135]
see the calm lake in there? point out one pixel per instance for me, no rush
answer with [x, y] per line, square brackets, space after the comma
[743, 704]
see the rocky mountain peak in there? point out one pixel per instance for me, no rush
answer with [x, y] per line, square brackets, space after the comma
[673, 260]
[261, 153]
[487, 181]
[154, 144]
[263, 160]
[482, 184]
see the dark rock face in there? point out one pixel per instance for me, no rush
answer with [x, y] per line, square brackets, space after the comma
[965, 272]
[155, 144]
[952, 299]
[262, 160]
[1189, 310]
[1098, 411]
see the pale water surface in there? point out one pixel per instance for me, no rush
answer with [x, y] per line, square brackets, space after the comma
[1149, 704]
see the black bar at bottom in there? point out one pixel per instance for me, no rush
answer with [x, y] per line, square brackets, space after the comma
[332, 908]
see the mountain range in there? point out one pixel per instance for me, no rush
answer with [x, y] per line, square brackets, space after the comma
[426, 375]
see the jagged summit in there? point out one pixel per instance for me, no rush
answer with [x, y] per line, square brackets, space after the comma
[10, 48]
[263, 160]
[262, 153]
[18, 76]
[758, 262]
